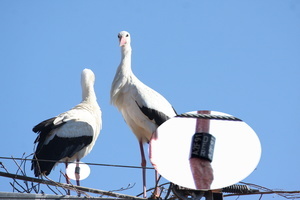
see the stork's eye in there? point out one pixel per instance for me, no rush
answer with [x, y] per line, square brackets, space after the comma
[127, 35]
[119, 36]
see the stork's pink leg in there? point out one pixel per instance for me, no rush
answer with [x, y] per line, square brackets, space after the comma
[201, 168]
[77, 173]
[157, 189]
[143, 164]
[67, 178]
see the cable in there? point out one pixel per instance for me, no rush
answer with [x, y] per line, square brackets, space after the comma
[244, 189]
[96, 164]
[209, 116]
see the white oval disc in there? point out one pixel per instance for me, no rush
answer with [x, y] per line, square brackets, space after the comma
[84, 171]
[237, 151]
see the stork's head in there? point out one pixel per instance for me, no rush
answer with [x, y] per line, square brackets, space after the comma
[124, 38]
[87, 77]
[87, 83]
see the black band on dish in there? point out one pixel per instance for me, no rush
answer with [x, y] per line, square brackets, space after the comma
[203, 146]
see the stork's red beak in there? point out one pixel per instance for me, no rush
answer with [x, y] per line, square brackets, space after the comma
[122, 41]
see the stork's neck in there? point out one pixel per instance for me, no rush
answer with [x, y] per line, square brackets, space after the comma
[88, 93]
[125, 65]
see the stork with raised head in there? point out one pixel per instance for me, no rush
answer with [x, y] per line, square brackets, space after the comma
[142, 108]
[71, 135]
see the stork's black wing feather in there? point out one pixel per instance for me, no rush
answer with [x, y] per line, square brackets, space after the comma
[55, 150]
[152, 114]
[43, 129]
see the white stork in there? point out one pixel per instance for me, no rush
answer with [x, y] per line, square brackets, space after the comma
[142, 108]
[71, 135]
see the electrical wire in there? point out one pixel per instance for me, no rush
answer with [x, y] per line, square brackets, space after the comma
[95, 164]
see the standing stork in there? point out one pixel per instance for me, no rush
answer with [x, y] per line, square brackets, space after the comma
[71, 135]
[142, 108]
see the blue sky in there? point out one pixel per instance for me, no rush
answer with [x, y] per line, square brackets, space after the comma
[236, 57]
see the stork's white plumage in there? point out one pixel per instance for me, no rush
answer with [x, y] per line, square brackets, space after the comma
[71, 135]
[142, 108]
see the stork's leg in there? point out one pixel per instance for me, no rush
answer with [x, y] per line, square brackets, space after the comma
[67, 178]
[143, 164]
[77, 174]
[156, 190]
